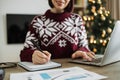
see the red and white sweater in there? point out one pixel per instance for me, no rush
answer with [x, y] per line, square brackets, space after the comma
[60, 34]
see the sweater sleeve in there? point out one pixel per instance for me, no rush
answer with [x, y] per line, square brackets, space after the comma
[26, 53]
[82, 36]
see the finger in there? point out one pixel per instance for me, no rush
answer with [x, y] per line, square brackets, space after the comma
[39, 60]
[91, 55]
[77, 54]
[82, 54]
[47, 53]
[39, 57]
[42, 61]
[86, 57]
[40, 54]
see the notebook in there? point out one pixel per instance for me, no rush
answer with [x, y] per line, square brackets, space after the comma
[112, 51]
[34, 67]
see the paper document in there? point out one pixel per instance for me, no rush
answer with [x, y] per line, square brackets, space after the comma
[72, 73]
[32, 67]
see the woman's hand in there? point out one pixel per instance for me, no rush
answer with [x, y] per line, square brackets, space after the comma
[89, 56]
[40, 58]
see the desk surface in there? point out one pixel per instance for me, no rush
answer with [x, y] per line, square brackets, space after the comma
[112, 70]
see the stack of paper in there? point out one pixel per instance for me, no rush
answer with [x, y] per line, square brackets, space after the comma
[73, 73]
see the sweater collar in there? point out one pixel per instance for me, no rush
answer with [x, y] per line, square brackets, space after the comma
[57, 16]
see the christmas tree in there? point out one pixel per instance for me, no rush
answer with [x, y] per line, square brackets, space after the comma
[99, 25]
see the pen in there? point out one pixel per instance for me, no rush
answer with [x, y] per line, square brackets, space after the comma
[36, 45]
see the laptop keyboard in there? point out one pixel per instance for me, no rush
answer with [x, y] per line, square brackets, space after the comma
[97, 60]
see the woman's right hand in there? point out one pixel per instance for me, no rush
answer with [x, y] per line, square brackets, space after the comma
[39, 57]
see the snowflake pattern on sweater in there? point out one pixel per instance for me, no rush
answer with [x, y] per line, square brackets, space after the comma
[64, 36]
[73, 26]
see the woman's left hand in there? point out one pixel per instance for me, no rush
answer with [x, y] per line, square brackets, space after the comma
[89, 56]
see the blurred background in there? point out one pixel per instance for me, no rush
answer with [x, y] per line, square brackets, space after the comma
[15, 15]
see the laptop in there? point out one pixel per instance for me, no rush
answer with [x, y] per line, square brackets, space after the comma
[112, 51]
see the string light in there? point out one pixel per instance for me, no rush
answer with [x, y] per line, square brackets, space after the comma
[103, 17]
[94, 41]
[104, 42]
[109, 30]
[91, 39]
[101, 41]
[95, 14]
[106, 14]
[110, 21]
[109, 38]
[90, 0]
[92, 18]
[89, 19]
[93, 1]
[85, 18]
[93, 9]
[94, 50]
[103, 33]
[99, 2]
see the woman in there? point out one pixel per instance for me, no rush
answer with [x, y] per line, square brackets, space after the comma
[59, 33]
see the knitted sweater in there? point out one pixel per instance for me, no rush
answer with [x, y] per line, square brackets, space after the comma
[60, 34]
